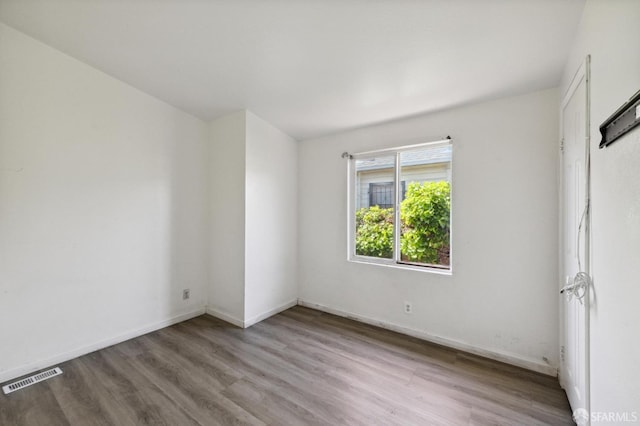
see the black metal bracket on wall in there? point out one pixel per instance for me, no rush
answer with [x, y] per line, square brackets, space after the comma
[621, 122]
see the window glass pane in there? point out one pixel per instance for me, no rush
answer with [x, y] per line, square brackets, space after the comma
[425, 209]
[374, 212]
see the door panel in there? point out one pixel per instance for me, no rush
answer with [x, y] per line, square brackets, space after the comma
[575, 243]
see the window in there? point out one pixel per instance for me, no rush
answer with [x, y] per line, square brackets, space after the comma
[381, 195]
[400, 206]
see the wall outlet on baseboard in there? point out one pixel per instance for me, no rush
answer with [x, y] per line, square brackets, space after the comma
[408, 308]
[186, 293]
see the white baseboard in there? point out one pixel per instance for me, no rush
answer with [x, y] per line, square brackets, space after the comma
[270, 312]
[75, 353]
[254, 320]
[66, 356]
[444, 341]
[224, 316]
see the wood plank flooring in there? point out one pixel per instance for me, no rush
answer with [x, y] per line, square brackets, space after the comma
[300, 367]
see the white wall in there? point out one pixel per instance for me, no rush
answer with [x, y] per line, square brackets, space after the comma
[502, 296]
[102, 211]
[227, 210]
[271, 220]
[608, 32]
[253, 201]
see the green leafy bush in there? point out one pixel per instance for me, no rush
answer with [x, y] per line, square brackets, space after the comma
[425, 217]
[374, 232]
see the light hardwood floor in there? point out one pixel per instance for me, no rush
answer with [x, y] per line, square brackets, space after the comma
[300, 367]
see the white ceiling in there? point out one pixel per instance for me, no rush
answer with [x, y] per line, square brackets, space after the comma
[312, 67]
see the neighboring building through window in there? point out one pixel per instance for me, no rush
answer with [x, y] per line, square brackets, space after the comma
[409, 186]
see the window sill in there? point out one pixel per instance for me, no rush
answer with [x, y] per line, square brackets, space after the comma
[391, 264]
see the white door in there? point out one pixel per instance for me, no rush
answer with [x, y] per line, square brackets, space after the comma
[574, 373]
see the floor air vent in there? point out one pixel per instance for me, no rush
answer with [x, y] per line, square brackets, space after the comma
[32, 380]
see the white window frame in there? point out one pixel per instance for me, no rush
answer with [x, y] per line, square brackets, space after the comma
[395, 262]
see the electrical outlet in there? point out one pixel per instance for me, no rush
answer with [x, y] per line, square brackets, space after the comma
[408, 308]
[186, 293]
